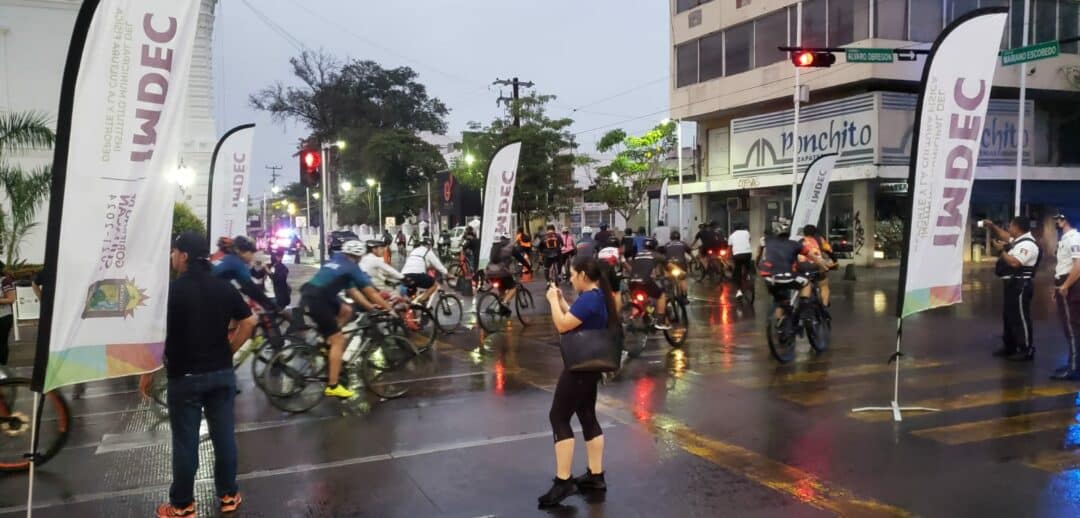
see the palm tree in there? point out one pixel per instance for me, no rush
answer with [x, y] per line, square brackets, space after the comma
[24, 190]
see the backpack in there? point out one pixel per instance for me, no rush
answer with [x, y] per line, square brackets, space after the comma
[551, 242]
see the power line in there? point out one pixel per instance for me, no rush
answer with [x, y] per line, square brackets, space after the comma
[281, 31]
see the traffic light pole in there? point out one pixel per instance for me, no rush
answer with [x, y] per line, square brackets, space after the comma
[795, 128]
[325, 201]
[1020, 122]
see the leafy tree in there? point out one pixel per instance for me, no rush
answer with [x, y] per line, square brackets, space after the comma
[185, 220]
[24, 190]
[545, 184]
[377, 111]
[638, 166]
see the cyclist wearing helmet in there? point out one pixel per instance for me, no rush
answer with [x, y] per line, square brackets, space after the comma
[224, 246]
[818, 249]
[677, 253]
[417, 264]
[374, 265]
[779, 267]
[551, 248]
[710, 244]
[645, 268]
[319, 297]
[498, 270]
[612, 263]
[235, 266]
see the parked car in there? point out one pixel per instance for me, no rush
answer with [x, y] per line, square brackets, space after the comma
[339, 237]
[455, 238]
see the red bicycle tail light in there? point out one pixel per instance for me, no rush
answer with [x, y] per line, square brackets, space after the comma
[723, 252]
[640, 297]
[495, 284]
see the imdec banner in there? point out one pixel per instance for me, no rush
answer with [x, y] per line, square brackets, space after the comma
[499, 198]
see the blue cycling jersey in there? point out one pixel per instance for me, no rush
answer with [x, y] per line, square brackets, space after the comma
[232, 268]
[341, 273]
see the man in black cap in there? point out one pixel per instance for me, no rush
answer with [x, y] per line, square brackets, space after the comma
[1067, 293]
[198, 361]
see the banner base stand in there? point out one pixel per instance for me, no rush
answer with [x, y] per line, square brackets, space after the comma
[896, 410]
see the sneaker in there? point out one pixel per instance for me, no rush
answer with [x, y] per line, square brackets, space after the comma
[1023, 355]
[338, 391]
[229, 503]
[591, 481]
[167, 510]
[738, 294]
[662, 324]
[560, 489]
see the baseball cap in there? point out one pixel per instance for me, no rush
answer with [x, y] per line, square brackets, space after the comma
[192, 243]
[1060, 214]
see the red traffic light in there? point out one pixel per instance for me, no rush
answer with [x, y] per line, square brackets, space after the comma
[310, 160]
[805, 59]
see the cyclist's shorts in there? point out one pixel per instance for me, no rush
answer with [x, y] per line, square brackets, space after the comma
[780, 286]
[506, 282]
[324, 312]
[550, 260]
[652, 289]
[420, 280]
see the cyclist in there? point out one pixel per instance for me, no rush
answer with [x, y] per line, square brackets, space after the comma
[646, 266]
[416, 267]
[319, 297]
[224, 246]
[780, 268]
[470, 246]
[817, 246]
[677, 253]
[498, 270]
[710, 244]
[374, 265]
[551, 250]
[235, 265]
[523, 249]
[568, 251]
[601, 237]
[612, 264]
[629, 246]
[741, 254]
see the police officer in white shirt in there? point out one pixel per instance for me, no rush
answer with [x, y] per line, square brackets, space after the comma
[1016, 267]
[1067, 292]
[741, 254]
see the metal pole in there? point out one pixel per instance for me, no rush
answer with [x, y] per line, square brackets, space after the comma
[324, 201]
[380, 207]
[307, 194]
[1023, 101]
[678, 142]
[430, 216]
[795, 129]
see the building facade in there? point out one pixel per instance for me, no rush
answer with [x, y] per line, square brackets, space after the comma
[34, 39]
[729, 77]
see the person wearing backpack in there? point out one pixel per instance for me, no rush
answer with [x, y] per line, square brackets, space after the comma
[1016, 267]
[550, 249]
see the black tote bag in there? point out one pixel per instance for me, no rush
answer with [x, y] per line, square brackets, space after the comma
[592, 350]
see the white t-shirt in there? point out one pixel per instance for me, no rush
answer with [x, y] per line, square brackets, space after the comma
[1068, 250]
[740, 242]
[1027, 252]
[420, 259]
[609, 255]
[380, 272]
[662, 235]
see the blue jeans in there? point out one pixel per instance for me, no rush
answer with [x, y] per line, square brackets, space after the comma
[188, 397]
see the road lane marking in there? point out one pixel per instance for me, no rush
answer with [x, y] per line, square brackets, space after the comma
[1001, 427]
[773, 379]
[1054, 461]
[978, 399]
[835, 393]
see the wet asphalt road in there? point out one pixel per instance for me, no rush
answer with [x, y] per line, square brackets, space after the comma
[717, 429]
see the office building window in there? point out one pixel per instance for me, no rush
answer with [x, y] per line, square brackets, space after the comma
[926, 20]
[813, 24]
[770, 32]
[1069, 25]
[711, 52]
[686, 5]
[848, 21]
[738, 46]
[1044, 20]
[686, 59]
[1016, 23]
[890, 19]
[958, 8]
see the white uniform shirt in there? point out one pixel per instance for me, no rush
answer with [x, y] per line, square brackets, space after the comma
[420, 259]
[1027, 252]
[662, 235]
[380, 272]
[740, 242]
[1068, 250]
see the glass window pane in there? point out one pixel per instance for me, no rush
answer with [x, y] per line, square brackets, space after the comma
[770, 32]
[813, 24]
[1016, 23]
[712, 56]
[848, 21]
[739, 42]
[891, 22]
[1045, 22]
[958, 8]
[686, 5]
[1069, 25]
[686, 64]
[925, 20]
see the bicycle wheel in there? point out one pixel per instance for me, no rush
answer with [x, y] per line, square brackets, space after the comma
[448, 313]
[387, 366]
[16, 416]
[488, 313]
[523, 306]
[159, 388]
[420, 326]
[676, 313]
[781, 339]
[262, 356]
[818, 331]
[295, 378]
[635, 337]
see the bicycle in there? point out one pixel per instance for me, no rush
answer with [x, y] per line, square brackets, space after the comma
[443, 306]
[639, 322]
[297, 375]
[16, 422]
[797, 317]
[747, 285]
[552, 272]
[493, 315]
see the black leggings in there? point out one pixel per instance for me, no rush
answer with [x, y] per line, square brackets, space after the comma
[575, 393]
[6, 324]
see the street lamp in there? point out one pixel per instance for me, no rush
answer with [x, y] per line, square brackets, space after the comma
[291, 209]
[346, 186]
[276, 190]
[469, 159]
[371, 182]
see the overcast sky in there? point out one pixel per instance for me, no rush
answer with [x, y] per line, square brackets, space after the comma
[583, 51]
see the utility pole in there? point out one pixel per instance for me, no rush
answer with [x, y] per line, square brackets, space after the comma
[274, 174]
[514, 82]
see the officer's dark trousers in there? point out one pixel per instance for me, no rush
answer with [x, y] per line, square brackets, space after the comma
[1017, 314]
[1069, 311]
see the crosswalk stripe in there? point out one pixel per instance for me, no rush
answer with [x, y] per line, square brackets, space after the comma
[771, 379]
[992, 397]
[1001, 427]
[1054, 461]
[835, 393]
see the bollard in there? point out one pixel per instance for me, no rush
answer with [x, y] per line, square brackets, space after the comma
[849, 272]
